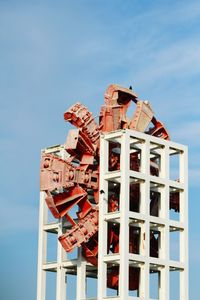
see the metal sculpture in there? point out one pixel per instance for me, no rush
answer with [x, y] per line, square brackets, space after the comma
[75, 181]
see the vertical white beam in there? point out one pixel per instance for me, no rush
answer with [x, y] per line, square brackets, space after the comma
[184, 290]
[81, 277]
[102, 234]
[145, 187]
[164, 272]
[144, 281]
[61, 273]
[165, 199]
[165, 195]
[145, 198]
[42, 249]
[60, 284]
[60, 276]
[164, 283]
[165, 164]
[124, 220]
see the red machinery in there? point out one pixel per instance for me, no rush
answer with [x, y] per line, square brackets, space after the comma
[69, 182]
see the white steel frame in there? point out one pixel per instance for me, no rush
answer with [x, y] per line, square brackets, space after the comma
[63, 264]
[164, 265]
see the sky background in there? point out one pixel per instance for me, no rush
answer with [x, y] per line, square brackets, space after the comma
[54, 53]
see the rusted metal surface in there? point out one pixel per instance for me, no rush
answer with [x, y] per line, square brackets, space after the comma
[70, 182]
[82, 231]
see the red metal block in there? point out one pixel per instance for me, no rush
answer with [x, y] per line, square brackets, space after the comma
[76, 180]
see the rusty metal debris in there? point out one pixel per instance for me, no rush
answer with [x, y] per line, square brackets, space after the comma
[69, 182]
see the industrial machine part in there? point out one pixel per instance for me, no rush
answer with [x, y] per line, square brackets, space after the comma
[75, 180]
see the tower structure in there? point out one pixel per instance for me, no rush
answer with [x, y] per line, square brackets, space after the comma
[118, 193]
[162, 247]
[157, 255]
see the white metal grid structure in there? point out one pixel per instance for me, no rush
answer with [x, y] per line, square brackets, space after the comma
[173, 252]
[64, 264]
[163, 222]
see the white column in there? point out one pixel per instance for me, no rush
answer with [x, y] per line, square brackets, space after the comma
[164, 283]
[81, 277]
[124, 220]
[164, 213]
[60, 276]
[145, 197]
[184, 291]
[102, 234]
[42, 249]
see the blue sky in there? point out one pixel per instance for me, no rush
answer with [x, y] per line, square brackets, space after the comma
[54, 53]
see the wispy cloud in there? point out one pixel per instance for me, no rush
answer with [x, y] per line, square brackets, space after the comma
[181, 59]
